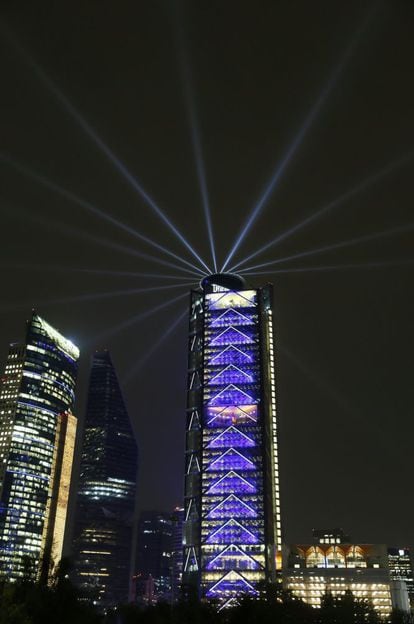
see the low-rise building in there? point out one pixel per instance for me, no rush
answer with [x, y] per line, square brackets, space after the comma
[331, 566]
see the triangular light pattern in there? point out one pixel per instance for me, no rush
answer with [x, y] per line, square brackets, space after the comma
[235, 332]
[231, 335]
[232, 507]
[231, 395]
[233, 556]
[232, 582]
[231, 482]
[231, 355]
[234, 532]
[232, 458]
[231, 317]
[231, 437]
[231, 374]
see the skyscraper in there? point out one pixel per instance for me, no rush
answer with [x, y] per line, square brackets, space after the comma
[154, 557]
[177, 553]
[401, 569]
[37, 433]
[103, 550]
[232, 531]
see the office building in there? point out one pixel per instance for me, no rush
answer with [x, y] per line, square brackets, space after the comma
[37, 433]
[401, 569]
[330, 536]
[154, 557]
[232, 531]
[103, 545]
[177, 519]
[312, 570]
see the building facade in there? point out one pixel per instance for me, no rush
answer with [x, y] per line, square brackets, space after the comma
[401, 570]
[37, 433]
[177, 519]
[312, 570]
[154, 557]
[103, 545]
[232, 530]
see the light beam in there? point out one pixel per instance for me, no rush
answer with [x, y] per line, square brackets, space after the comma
[337, 267]
[186, 77]
[298, 139]
[93, 296]
[83, 203]
[154, 347]
[96, 139]
[348, 243]
[136, 318]
[109, 244]
[63, 269]
[323, 385]
[359, 188]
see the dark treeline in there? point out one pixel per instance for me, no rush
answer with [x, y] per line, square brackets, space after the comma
[59, 602]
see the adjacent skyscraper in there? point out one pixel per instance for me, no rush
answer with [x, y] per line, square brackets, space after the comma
[232, 532]
[154, 557]
[37, 433]
[401, 569]
[103, 540]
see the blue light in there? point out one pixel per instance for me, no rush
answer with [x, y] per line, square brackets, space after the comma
[359, 188]
[298, 139]
[83, 203]
[232, 477]
[348, 243]
[103, 147]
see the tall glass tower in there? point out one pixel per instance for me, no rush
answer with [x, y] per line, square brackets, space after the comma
[103, 550]
[232, 532]
[37, 434]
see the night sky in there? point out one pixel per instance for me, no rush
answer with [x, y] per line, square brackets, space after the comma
[247, 75]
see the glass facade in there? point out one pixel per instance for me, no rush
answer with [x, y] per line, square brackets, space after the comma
[103, 548]
[37, 390]
[232, 533]
[401, 569]
[154, 557]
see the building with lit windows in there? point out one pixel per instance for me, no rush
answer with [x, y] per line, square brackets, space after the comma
[401, 570]
[312, 570]
[103, 546]
[330, 536]
[37, 434]
[231, 531]
[154, 557]
[177, 553]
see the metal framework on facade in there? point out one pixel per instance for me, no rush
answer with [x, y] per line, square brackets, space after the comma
[232, 511]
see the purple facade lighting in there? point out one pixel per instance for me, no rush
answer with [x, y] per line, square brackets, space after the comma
[230, 539]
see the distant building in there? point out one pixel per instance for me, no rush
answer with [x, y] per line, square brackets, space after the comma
[37, 436]
[154, 557]
[401, 569]
[232, 525]
[330, 536]
[103, 546]
[177, 553]
[329, 566]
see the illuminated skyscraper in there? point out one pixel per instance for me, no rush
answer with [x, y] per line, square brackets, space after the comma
[232, 532]
[37, 433]
[103, 540]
